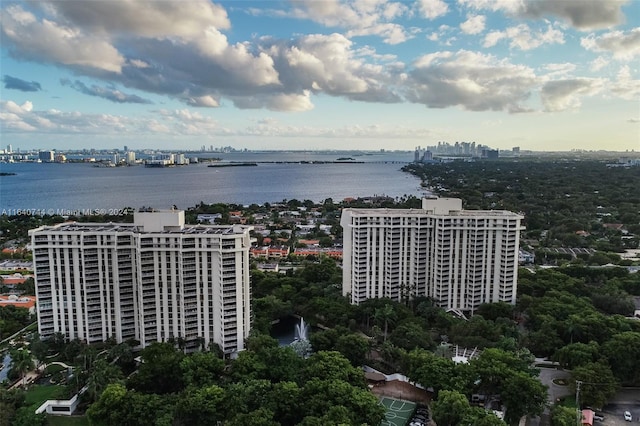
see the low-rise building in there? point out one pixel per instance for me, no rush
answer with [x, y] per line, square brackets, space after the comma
[16, 265]
[26, 302]
[333, 252]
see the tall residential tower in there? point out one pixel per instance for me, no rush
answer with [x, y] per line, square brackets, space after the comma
[460, 258]
[152, 280]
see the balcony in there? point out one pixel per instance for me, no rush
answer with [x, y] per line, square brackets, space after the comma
[231, 302]
[230, 334]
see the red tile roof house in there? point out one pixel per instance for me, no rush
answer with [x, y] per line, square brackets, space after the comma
[12, 279]
[236, 217]
[316, 251]
[259, 251]
[26, 302]
[310, 242]
[269, 252]
[279, 251]
[14, 250]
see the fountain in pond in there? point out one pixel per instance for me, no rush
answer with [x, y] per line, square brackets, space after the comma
[302, 330]
[301, 343]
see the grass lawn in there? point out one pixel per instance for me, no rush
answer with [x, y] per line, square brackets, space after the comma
[569, 401]
[54, 368]
[38, 394]
[67, 421]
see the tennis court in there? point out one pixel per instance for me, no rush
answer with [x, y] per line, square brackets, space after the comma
[398, 412]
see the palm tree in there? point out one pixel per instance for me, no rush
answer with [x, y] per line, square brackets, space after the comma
[102, 374]
[89, 354]
[22, 362]
[387, 315]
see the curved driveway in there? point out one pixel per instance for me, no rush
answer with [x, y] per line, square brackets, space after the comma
[546, 376]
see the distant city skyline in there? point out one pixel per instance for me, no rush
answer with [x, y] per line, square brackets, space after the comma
[541, 75]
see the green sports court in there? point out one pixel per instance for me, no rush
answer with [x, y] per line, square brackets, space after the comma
[398, 412]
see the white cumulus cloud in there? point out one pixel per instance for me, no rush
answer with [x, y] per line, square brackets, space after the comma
[145, 18]
[583, 15]
[560, 95]
[432, 9]
[625, 86]
[471, 80]
[358, 17]
[473, 25]
[622, 45]
[522, 37]
[46, 40]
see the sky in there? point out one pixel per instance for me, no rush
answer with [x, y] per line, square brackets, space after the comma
[542, 75]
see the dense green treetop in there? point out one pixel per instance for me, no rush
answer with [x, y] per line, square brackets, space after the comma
[559, 196]
[12, 319]
[266, 384]
[598, 383]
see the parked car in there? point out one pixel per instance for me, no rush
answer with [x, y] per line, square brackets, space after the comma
[627, 416]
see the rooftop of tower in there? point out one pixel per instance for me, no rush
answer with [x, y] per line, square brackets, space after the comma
[77, 227]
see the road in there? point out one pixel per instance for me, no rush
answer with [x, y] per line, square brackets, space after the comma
[554, 392]
[627, 399]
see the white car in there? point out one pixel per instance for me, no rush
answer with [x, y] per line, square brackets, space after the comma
[627, 416]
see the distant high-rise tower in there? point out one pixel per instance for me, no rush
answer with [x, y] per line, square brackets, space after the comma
[491, 154]
[151, 280]
[46, 156]
[460, 258]
[417, 155]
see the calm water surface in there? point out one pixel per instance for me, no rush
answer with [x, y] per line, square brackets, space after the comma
[81, 186]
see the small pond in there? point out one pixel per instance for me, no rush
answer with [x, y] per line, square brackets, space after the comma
[285, 330]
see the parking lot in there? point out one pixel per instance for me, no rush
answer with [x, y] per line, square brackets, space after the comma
[614, 414]
[625, 400]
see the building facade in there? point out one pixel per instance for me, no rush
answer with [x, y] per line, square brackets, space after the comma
[460, 258]
[151, 280]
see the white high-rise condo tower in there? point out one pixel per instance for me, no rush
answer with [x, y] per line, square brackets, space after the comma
[151, 280]
[459, 258]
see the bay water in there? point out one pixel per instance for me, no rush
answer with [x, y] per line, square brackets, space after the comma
[39, 188]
